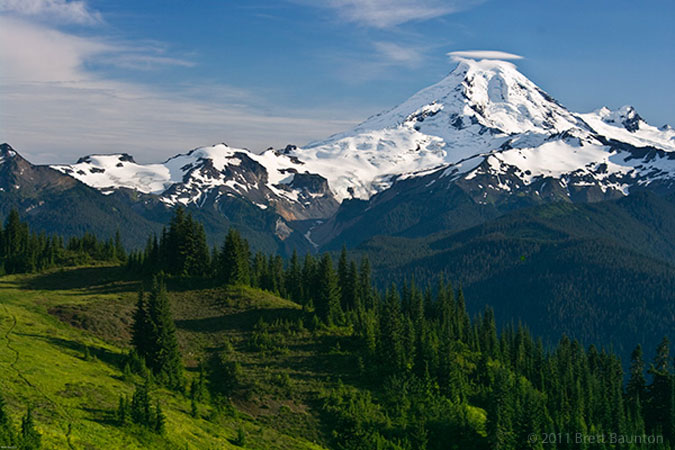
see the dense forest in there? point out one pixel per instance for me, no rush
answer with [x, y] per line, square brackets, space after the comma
[428, 376]
[23, 251]
[557, 267]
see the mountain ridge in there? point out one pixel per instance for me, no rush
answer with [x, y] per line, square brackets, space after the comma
[482, 141]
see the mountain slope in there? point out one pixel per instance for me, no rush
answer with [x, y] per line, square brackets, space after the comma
[577, 269]
[66, 333]
[486, 113]
[52, 202]
[55, 202]
[206, 174]
[482, 142]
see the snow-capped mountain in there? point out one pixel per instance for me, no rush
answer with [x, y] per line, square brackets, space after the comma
[486, 117]
[208, 173]
[485, 130]
[476, 108]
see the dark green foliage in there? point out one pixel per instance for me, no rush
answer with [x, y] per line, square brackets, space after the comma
[420, 370]
[293, 279]
[8, 435]
[141, 327]
[433, 365]
[194, 411]
[392, 345]
[224, 377]
[154, 336]
[327, 300]
[266, 340]
[181, 250]
[23, 251]
[30, 438]
[123, 413]
[636, 389]
[557, 267]
[233, 264]
[139, 411]
[198, 388]
[660, 410]
[159, 424]
[240, 440]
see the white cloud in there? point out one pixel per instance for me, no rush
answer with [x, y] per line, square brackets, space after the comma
[139, 59]
[52, 109]
[62, 11]
[33, 53]
[483, 54]
[390, 13]
[397, 53]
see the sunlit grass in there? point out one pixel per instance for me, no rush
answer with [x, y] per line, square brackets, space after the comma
[73, 397]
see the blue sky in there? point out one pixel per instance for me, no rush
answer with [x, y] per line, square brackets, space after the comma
[155, 78]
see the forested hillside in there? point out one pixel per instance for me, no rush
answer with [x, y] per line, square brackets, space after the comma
[231, 349]
[603, 273]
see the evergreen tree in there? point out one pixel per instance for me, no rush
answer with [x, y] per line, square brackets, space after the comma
[234, 265]
[120, 252]
[30, 438]
[500, 424]
[350, 289]
[141, 413]
[391, 347]
[660, 414]
[159, 425]
[8, 436]
[342, 274]
[309, 281]
[141, 329]
[123, 410]
[164, 357]
[636, 389]
[328, 295]
[365, 283]
[293, 279]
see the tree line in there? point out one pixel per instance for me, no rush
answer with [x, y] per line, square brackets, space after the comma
[24, 251]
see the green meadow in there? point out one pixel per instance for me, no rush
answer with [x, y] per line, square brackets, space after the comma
[64, 333]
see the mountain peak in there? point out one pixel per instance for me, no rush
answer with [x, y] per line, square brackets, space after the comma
[488, 92]
[480, 105]
[7, 150]
[7, 153]
[119, 158]
[625, 116]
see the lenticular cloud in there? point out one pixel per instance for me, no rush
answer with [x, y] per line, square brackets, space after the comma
[483, 54]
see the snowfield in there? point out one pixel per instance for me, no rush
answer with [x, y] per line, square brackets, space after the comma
[483, 111]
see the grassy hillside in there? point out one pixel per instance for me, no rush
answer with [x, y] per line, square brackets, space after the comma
[63, 335]
[400, 373]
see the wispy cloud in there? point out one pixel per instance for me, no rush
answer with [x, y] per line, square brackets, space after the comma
[377, 60]
[399, 54]
[483, 54]
[390, 13]
[141, 59]
[61, 11]
[55, 109]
